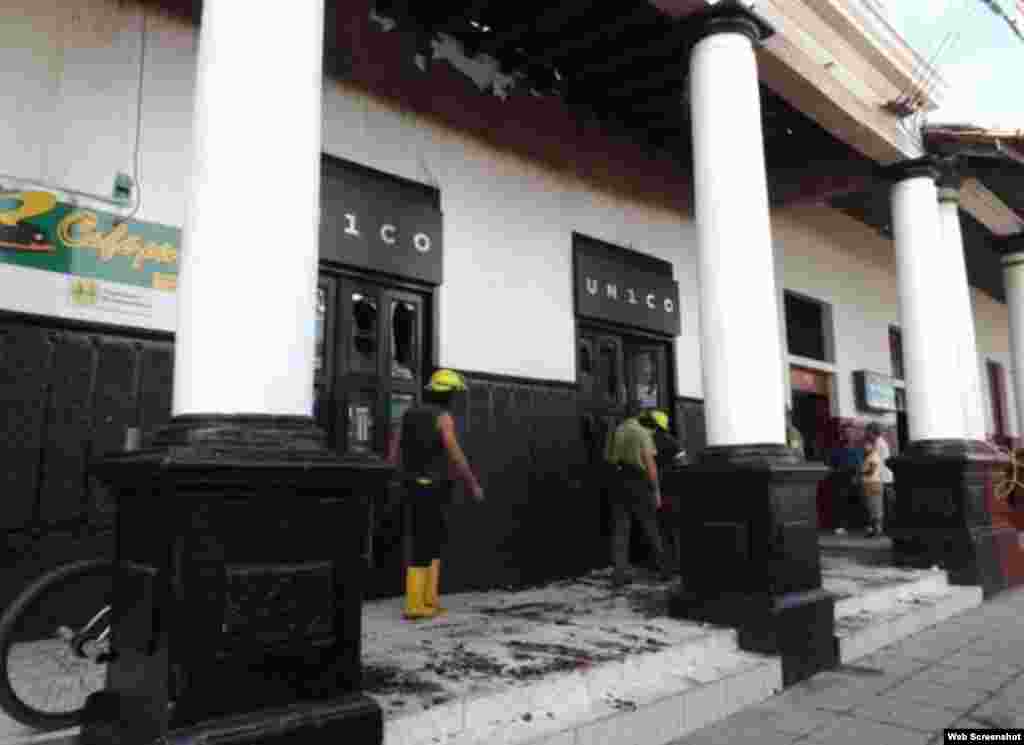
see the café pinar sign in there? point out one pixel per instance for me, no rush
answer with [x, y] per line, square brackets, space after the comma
[39, 232]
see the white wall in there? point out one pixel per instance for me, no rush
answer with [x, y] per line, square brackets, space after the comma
[72, 75]
[506, 304]
[831, 257]
[70, 72]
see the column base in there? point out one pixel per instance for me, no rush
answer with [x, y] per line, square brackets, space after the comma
[751, 558]
[355, 719]
[947, 514]
[239, 588]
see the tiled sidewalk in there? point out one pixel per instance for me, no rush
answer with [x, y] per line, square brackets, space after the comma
[966, 672]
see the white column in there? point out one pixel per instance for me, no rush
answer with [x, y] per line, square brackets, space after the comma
[245, 337]
[966, 348]
[924, 275]
[740, 343]
[1013, 280]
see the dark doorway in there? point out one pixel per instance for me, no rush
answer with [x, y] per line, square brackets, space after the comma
[812, 416]
[370, 365]
[619, 374]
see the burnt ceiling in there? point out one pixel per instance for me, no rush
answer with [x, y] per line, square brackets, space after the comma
[623, 64]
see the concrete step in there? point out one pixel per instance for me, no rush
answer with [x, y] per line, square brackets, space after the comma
[651, 698]
[881, 621]
[883, 596]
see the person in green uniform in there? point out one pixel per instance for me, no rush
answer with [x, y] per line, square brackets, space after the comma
[430, 451]
[631, 451]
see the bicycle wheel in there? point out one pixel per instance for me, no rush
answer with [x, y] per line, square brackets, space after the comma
[51, 659]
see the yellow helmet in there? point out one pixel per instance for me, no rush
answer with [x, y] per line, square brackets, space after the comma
[444, 381]
[660, 418]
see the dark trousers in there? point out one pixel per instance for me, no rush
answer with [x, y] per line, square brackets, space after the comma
[428, 528]
[847, 505]
[631, 497]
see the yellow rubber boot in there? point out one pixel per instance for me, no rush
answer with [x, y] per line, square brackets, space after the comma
[433, 596]
[416, 579]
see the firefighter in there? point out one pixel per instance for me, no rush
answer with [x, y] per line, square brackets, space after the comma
[631, 451]
[430, 452]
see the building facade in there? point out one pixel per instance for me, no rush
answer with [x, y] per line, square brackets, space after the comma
[466, 220]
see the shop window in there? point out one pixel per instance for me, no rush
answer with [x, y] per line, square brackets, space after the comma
[645, 379]
[808, 327]
[400, 403]
[585, 362]
[403, 340]
[364, 333]
[997, 391]
[896, 351]
[360, 421]
[610, 356]
[321, 318]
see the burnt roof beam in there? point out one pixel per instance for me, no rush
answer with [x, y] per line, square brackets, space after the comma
[674, 40]
[640, 14]
[457, 21]
[554, 17]
[672, 74]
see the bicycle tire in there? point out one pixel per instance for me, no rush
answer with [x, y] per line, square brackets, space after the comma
[49, 586]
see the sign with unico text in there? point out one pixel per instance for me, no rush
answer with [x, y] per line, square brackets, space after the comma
[370, 220]
[615, 287]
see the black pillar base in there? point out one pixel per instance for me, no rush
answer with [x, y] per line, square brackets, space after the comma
[943, 513]
[238, 594]
[353, 718]
[751, 558]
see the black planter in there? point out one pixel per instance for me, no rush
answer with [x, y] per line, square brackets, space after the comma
[239, 589]
[750, 554]
[942, 515]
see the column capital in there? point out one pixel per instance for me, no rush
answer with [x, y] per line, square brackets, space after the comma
[730, 17]
[927, 167]
[951, 179]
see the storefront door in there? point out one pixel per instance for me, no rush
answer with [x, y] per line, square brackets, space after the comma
[371, 347]
[618, 375]
[369, 364]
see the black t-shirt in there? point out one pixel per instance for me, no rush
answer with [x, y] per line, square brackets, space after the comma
[668, 447]
[423, 452]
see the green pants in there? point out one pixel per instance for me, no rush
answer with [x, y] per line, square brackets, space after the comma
[632, 498]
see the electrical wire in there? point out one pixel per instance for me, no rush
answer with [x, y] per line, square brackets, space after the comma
[138, 123]
[918, 93]
[7, 177]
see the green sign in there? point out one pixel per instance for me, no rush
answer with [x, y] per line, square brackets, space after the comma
[878, 392]
[38, 232]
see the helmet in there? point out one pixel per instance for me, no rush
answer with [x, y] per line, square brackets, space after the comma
[660, 418]
[444, 381]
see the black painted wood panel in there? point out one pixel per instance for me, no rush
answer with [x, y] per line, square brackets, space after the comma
[156, 386]
[116, 398]
[542, 518]
[65, 455]
[690, 425]
[67, 393]
[24, 391]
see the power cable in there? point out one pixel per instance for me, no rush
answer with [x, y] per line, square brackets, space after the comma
[138, 123]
